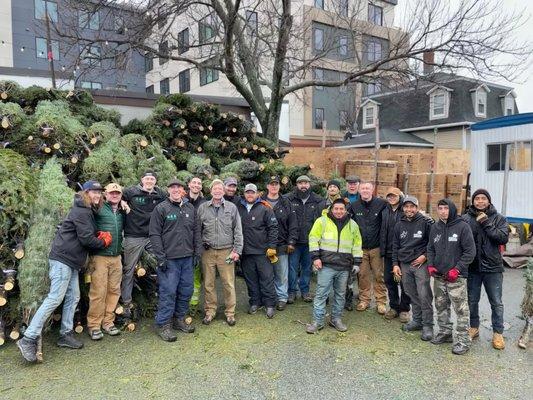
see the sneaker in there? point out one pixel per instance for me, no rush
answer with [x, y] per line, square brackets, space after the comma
[270, 312]
[180, 324]
[253, 309]
[313, 327]
[404, 317]
[96, 334]
[28, 348]
[230, 321]
[442, 338]
[338, 324]
[460, 349]
[68, 340]
[391, 314]
[362, 306]
[111, 331]
[292, 297]
[166, 333]
[381, 309]
[207, 319]
[281, 305]
[307, 297]
[473, 333]
[497, 341]
[427, 333]
[412, 326]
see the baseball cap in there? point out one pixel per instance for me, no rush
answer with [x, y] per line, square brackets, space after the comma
[303, 178]
[250, 187]
[92, 185]
[353, 179]
[394, 190]
[175, 181]
[113, 187]
[230, 181]
[274, 178]
[411, 199]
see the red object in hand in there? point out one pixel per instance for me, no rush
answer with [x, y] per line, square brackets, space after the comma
[105, 237]
[432, 270]
[453, 274]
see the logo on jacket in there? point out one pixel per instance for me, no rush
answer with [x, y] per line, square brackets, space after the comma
[140, 200]
[437, 238]
[172, 217]
[418, 234]
[453, 238]
[403, 235]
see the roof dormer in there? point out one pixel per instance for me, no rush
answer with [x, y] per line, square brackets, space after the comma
[439, 102]
[479, 100]
[508, 102]
[370, 113]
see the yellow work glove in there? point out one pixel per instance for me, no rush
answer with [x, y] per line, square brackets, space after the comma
[272, 255]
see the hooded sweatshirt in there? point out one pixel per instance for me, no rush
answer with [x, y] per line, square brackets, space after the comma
[410, 239]
[451, 244]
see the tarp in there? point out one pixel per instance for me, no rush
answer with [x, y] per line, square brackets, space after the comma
[518, 257]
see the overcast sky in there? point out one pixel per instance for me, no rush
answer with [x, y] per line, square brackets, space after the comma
[524, 88]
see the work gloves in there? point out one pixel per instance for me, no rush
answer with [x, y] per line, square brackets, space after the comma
[452, 275]
[163, 265]
[432, 270]
[272, 255]
[355, 269]
[105, 237]
[481, 217]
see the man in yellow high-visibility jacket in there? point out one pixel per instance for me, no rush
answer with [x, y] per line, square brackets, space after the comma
[335, 247]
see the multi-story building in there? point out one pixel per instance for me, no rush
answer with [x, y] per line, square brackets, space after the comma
[337, 36]
[24, 55]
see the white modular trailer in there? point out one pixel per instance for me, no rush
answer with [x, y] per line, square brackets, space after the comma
[491, 141]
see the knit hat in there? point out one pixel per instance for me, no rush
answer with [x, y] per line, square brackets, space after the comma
[334, 182]
[149, 173]
[481, 191]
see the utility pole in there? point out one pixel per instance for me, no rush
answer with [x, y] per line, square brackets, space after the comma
[324, 127]
[376, 155]
[49, 50]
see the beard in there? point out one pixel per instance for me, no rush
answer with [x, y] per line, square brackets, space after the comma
[302, 194]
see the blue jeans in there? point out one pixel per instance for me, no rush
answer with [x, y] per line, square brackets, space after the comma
[326, 279]
[281, 275]
[493, 283]
[175, 290]
[64, 284]
[300, 261]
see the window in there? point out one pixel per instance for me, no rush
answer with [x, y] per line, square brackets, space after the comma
[251, 22]
[372, 88]
[343, 45]
[343, 120]
[161, 17]
[496, 156]
[481, 103]
[343, 8]
[148, 62]
[374, 50]
[318, 36]
[369, 116]
[164, 86]
[119, 25]
[41, 48]
[319, 4]
[185, 80]
[91, 85]
[319, 118]
[208, 75]
[509, 105]
[318, 75]
[121, 60]
[91, 55]
[163, 50]
[437, 104]
[183, 41]
[375, 14]
[206, 29]
[88, 19]
[150, 89]
[40, 9]
[520, 156]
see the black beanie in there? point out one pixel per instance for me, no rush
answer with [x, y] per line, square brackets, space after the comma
[334, 182]
[481, 191]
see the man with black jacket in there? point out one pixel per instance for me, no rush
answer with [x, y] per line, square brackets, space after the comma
[141, 199]
[230, 190]
[450, 251]
[260, 234]
[367, 212]
[287, 236]
[308, 207]
[399, 303]
[175, 238]
[409, 262]
[490, 230]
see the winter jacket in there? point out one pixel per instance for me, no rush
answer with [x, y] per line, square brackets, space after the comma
[76, 236]
[451, 244]
[174, 231]
[337, 243]
[368, 215]
[196, 202]
[352, 198]
[141, 203]
[287, 223]
[488, 236]
[233, 199]
[220, 227]
[306, 213]
[112, 222]
[389, 219]
[410, 239]
[259, 227]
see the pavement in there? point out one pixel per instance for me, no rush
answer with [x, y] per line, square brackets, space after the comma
[276, 359]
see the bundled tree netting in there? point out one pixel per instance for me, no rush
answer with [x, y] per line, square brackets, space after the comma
[10, 91]
[527, 307]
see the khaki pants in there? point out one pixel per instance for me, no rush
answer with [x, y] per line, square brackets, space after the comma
[106, 274]
[213, 260]
[372, 272]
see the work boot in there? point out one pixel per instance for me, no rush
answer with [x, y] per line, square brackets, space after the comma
[362, 306]
[442, 338]
[314, 327]
[338, 324]
[381, 309]
[68, 340]
[281, 305]
[126, 313]
[460, 349]
[473, 333]
[412, 326]
[497, 341]
[28, 348]
[427, 333]
[207, 319]
[230, 321]
[348, 306]
[180, 324]
[404, 317]
[270, 312]
[253, 309]
[96, 334]
[391, 314]
[307, 297]
[292, 297]
[166, 333]
[111, 330]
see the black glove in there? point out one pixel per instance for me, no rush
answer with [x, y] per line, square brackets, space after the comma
[163, 265]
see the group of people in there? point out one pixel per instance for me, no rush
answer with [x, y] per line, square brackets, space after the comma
[388, 246]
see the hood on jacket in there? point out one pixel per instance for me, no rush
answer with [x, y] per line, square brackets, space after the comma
[416, 217]
[452, 216]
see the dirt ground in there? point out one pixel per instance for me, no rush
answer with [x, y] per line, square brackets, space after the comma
[276, 359]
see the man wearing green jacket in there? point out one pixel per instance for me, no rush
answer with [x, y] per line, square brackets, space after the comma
[105, 267]
[335, 247]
